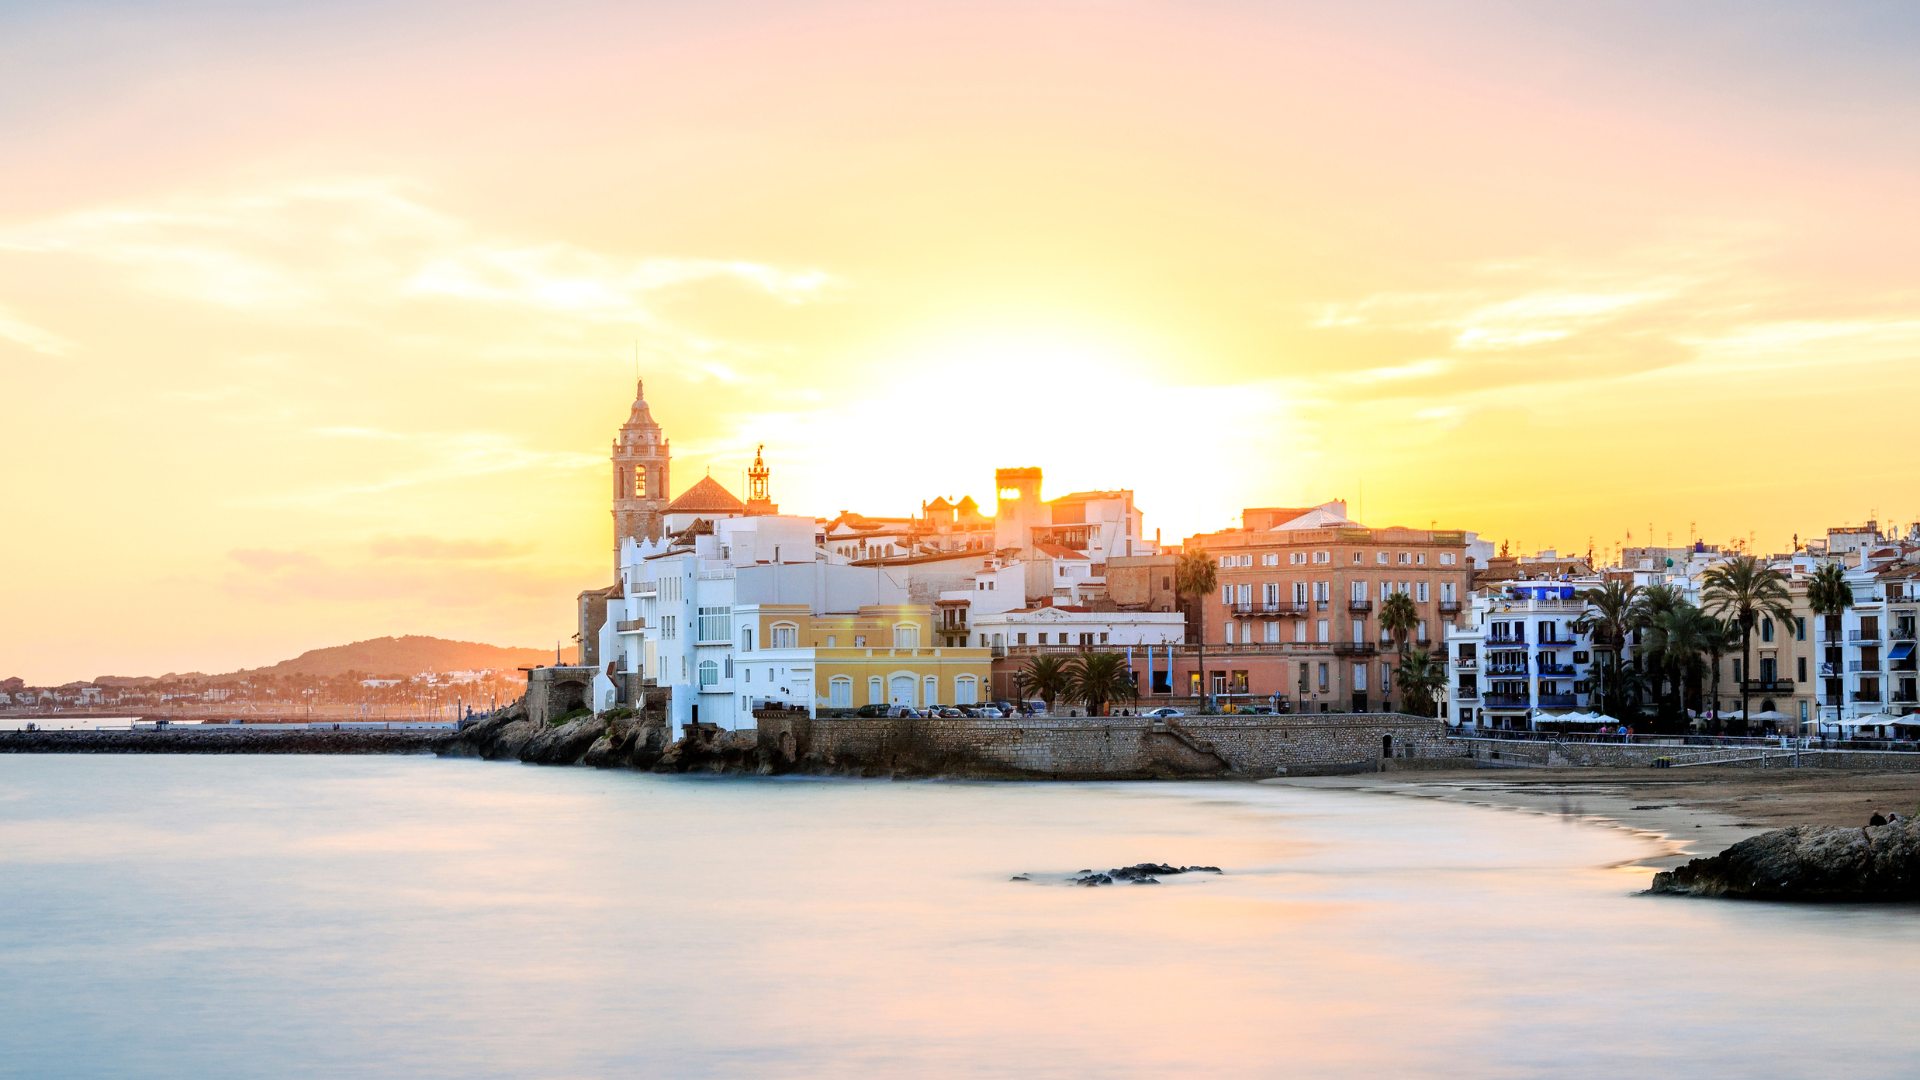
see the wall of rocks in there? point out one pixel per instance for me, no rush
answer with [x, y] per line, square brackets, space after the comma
[1102, 747]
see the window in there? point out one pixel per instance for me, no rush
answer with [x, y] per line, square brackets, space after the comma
[1226, 561]
[669, 627]
[1227, 634]
[1380, 558]
[1299, 592]
[709, 673]
[1323, 556]
[1019, 639]
[1422, 631]
[840, 692]
[1296, 558]
[1360, 590]
[906, 636]
[1359, 677]
[1300, 631]
[716, 623]
[784, 636]
[1086, 639]
[1272, 559]
[964, 692]
[1446, 592]
[1226, 594]
[833, 641]
[1386, 590]
[876, 691]
[1766, 629]
[1420, 592]
[1800, 633]
[1447, 558]
[1323, 674]
[1273, 631]
[1103, 639]
[1404, 558]
[1270, 594]
[726, 667]
[1246, 560]
[1800, 669]
[1358, 558]
[1359, 630]
[859, 641]
[1323, 591]
[1420, 558]
[1246, 594]
[1323, 628]
[746, 674]
[746, 639]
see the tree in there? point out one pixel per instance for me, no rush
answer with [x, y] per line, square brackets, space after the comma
[1608, 622]
[1399, 617]
[1743, 589]
[1829, 596]
[1716, 640]
[1099, 679]
[1675, 639]
[1047, 676]
[1655, 602]
[1420, 675]
[1194, 580]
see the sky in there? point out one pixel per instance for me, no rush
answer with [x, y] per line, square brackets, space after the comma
[317, 319]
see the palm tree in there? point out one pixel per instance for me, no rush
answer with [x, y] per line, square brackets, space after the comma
[1047, 676]
[1608, 622]
[1420, 675]
[1716, 640]
[1674, 641]
[1655, 601]
[1398, 617]
[1742, 589]
[1829, 595]
[1098, 679]
[1194, 580]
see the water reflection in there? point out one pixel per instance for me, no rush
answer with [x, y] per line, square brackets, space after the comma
[415, 917]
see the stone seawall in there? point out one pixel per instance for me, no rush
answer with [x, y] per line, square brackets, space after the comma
[1102, 747]
[1545, 754]
[221, 739]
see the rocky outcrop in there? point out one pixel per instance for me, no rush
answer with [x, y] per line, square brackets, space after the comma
[1808, 862]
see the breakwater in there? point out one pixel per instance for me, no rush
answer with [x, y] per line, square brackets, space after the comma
[222, 739]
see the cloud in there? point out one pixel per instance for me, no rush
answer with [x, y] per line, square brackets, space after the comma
[368, 251]
[15, 329]
[267, 561]
[409, 570]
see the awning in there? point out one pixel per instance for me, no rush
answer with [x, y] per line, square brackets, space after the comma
[1902, 651]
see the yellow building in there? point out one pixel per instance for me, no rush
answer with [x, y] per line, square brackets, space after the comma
[878, 655]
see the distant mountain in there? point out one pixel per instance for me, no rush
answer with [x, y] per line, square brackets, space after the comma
[408, 655]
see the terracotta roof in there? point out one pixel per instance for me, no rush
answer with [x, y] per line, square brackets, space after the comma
[1058, 552]
[939, 503]
[967, 503]
[706, 496]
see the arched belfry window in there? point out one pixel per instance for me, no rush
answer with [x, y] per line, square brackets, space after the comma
[640, 482]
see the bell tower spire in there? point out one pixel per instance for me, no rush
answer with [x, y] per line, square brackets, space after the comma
[641, 460]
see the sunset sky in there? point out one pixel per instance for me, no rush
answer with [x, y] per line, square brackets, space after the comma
[317, 318]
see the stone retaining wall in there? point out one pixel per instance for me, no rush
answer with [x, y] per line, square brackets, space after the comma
[1523, 753]
[1104, 747]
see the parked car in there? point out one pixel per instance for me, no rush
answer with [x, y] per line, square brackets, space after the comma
[905, 712]
[950, 713]
[1162, 712]
[1035, 706]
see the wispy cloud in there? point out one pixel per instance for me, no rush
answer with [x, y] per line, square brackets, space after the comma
[17, 330]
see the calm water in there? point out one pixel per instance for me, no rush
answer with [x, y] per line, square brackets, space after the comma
[410, 917]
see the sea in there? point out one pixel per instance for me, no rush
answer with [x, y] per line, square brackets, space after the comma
[408, 916]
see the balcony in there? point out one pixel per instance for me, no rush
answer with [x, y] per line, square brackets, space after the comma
[1518, 671]
[1904, 698]
[1863, 665]
[1466, 664]
[629, 626]
[1562, 670]
[1558, 701]
[1506, 643]
[1354, 648]
[1505, 701]
[1278, 607]
[1360, 605]
[1901, 633]
[1768, 686]
[1449, 607]
[1467, 693]
[1558, 643]
[1862, 635]
[1872, 696]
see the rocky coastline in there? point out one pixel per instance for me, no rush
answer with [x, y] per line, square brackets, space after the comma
[1876, 862]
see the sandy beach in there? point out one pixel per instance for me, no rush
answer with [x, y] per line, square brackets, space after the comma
[1687, 814]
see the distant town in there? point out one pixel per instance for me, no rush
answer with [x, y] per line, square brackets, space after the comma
[722, 607]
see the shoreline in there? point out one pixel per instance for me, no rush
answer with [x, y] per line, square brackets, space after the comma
[1685, 817]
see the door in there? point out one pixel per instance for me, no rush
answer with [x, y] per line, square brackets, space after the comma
[902, 691]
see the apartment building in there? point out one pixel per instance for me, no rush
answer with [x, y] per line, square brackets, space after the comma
[1518, 658]
[1295, 611]
[1868, 671]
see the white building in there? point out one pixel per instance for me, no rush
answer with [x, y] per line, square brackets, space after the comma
[1078, 627]
[1518, 656]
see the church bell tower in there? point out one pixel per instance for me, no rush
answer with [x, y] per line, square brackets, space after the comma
[640, 484]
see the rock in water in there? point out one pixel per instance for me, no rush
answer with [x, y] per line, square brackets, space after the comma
[1807, 862]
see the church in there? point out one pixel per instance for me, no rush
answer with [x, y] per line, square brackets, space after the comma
[642, 478]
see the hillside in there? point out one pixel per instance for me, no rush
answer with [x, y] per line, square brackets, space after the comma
[405, 656]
